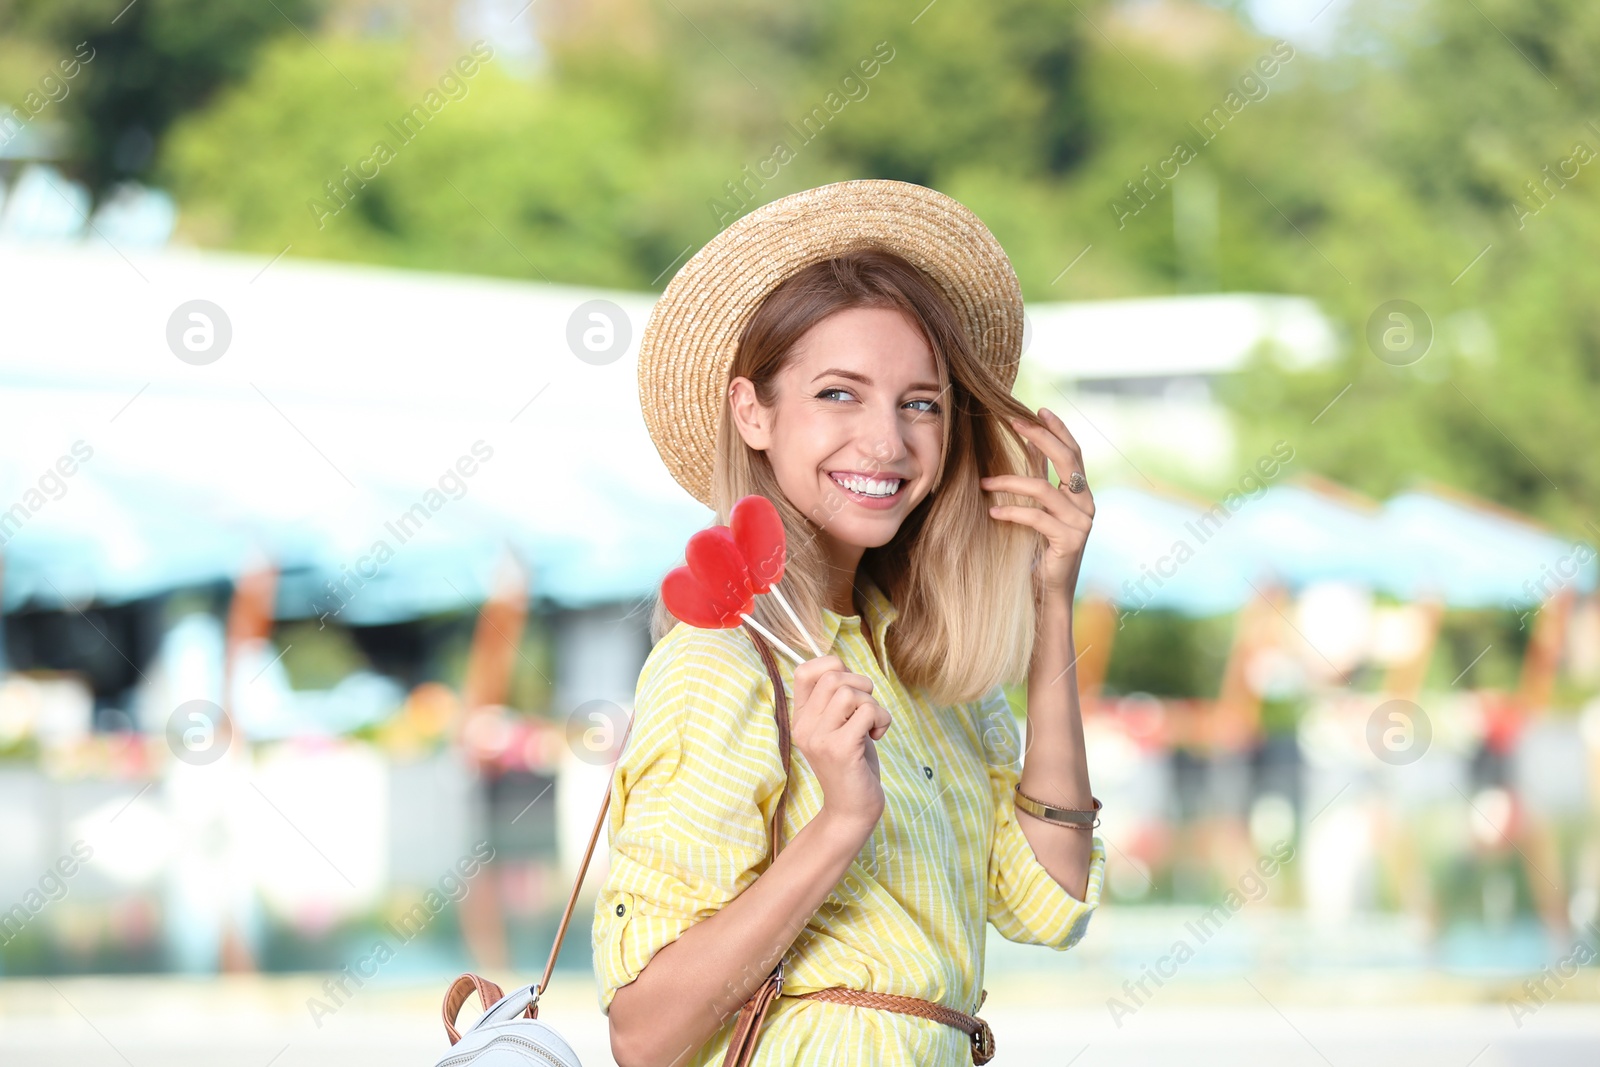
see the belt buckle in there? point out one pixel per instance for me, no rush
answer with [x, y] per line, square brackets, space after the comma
[982, 1043]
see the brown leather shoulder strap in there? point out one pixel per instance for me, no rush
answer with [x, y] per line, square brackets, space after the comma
[780, 712]
[583, 867]
[747, 1027]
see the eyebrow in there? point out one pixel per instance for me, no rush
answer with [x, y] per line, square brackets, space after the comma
[864, 380]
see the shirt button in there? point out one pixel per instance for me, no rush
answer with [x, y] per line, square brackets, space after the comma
[621, 909]
[928, 773]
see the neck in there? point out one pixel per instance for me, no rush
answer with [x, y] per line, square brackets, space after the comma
[843, 562]
[842, 594]
[841, 588]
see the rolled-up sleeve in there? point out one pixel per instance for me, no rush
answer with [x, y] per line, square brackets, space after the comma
[1026, 904]
[690, 798]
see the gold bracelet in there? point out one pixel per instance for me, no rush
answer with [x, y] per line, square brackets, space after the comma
[1077, 818]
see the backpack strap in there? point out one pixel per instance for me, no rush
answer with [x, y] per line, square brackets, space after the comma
[747, 1029]
[780, 713]
[462, 989]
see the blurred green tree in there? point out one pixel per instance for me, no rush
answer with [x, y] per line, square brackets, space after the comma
[154, 60]
[1454, 166]
[1437, 154]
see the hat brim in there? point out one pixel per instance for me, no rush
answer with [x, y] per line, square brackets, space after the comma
[694, 328]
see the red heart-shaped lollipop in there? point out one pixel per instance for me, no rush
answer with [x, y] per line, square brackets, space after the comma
[715, 559]
[758, 531]
[690, 601]
[726, 566]
[713, 589]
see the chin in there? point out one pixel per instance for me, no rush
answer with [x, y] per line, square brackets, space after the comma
[878, 535]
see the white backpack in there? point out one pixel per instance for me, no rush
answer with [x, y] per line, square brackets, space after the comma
[507, 1035]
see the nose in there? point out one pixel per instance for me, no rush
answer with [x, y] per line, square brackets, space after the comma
[884, 444]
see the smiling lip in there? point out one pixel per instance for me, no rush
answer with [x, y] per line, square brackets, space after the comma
[875, 503]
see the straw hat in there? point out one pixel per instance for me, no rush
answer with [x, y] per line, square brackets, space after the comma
[694, 329]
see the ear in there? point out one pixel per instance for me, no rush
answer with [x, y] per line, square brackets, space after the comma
[753, 421]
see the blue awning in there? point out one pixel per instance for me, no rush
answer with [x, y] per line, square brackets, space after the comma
[1471, 554]
[1159, 552]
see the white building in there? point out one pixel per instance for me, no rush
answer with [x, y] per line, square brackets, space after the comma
[1142, 374]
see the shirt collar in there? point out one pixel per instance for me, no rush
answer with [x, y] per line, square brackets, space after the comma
[880, 612]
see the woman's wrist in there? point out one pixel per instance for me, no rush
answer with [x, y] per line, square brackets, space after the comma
[842, 834]
[1084, 817]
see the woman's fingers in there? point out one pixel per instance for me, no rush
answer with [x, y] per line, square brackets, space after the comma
[836, 713]
[1059, 502]
[1055, 422]
[1049, 437]
[867, 720]
[840, 707]
[835, 706]
[807, 674]
[829, 684]
[881, 722]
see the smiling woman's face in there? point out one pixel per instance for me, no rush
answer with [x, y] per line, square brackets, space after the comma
[855, 432]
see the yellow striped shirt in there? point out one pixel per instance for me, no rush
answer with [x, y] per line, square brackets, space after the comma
[692, 796]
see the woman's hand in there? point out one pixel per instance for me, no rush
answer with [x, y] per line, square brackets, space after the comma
[1063, 517]
[835, 724]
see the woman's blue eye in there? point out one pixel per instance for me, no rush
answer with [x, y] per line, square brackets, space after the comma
[933, 405]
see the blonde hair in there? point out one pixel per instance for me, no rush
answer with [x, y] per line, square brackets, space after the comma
[961, 580]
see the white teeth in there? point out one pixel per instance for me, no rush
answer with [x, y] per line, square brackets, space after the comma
[868, 486]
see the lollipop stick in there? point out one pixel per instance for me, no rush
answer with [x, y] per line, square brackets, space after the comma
[815, 651]
[764, 632]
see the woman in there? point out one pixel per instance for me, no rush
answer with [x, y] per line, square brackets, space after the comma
[854, 347]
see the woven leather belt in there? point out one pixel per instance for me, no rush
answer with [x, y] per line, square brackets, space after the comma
[975, 1028]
